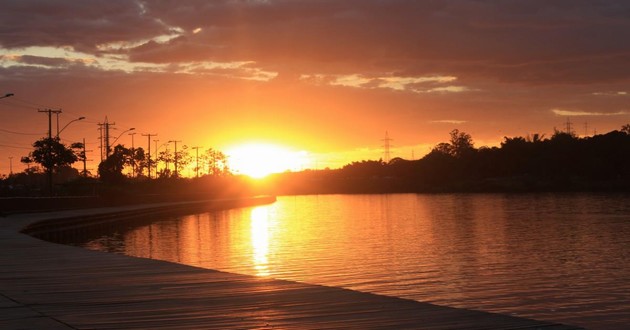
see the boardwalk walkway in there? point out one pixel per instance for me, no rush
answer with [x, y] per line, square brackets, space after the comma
[51, 286]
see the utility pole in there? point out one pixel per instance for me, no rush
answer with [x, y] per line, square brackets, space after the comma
[176, 158]
[57, 123]
[156, 156]
[49, 152]
[84, 159]
[197, 157]
[100, 139]
[50, 112]
[10, 165]
[149, 149]
[133, 156]
[105, 148]
[108, 148]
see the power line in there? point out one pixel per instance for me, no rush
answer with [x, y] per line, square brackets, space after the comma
[20, 133]
[8, 146]
[35, 105]
[50, 112]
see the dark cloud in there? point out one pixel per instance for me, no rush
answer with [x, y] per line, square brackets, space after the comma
[507, 40]
[79, 24]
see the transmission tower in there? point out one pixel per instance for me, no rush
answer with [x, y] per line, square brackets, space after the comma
[568, 127]
[386, 147]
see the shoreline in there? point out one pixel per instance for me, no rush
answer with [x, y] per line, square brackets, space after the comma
[46, 285]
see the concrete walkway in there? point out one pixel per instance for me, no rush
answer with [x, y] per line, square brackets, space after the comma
[50, 286]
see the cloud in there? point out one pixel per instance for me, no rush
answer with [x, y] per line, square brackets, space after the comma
[448, 121]
[398, 83]
[524, 42]
[80, 25]
[449, 89]
[569, 113]
[611, 93]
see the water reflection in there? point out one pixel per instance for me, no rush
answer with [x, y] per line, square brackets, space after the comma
[555, 257]
[260, 236]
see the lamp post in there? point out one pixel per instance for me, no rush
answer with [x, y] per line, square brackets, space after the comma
[176, 158]
[156, 157]
[197, 165]
[6, 95]
[108, 145]
[133, 155]
[168, 156]
[121, 134]
[70, 122]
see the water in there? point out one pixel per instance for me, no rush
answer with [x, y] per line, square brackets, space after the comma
[552, 257]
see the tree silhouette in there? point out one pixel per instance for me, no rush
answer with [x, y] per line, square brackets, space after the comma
[459, 145]
[110, 169]
[139, 160]
[181, 158]
[51, 154]
[216, 162]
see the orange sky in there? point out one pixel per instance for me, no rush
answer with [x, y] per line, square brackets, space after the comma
[325, 77]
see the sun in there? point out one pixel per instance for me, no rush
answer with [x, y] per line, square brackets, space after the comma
[258, 160]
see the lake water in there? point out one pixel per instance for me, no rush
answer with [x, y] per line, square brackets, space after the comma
[555, 257]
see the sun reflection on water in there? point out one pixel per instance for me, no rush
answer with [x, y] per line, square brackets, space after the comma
[260, 237]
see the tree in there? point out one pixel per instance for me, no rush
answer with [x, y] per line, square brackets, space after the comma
[460, 144]
[443, 148]
[110, 170]
[181, 158]
[28, 161]
[51, 154]
[216, 162]
[139, 161]
[166, 157]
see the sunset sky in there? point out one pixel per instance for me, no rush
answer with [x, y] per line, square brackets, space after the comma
[324, 79]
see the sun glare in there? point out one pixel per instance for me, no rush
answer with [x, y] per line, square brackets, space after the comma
[259, 160]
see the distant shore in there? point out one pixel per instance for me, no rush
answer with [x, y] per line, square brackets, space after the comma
[138, 212]
[11, 205]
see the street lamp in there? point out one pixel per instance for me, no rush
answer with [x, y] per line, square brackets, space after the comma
[133, 156]
[176, 158]
[121, 134]
[70, 122]
[6, 95]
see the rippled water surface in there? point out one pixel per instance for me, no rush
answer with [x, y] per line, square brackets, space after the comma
[553, 257]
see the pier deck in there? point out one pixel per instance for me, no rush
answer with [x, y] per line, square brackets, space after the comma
[51, 286]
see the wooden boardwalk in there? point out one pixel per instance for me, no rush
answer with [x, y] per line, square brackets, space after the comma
[51, 286]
